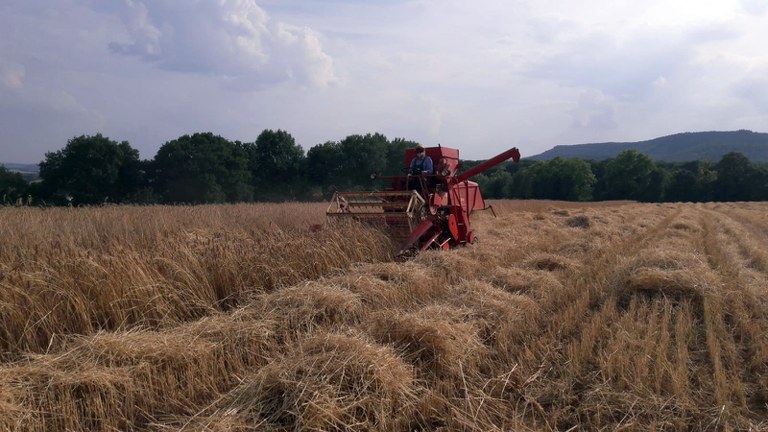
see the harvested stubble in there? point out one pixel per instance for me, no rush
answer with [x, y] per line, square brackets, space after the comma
[441, 341]
[481, 338]
[306, 308]
[671, 283]
[550, 262]
[327, 382]
[402, 286]
[666, 273]
[157, 375]
[497, 315]
[509, 206]
[449, 268]
[533, 284]
[86, 397]
[580, 221]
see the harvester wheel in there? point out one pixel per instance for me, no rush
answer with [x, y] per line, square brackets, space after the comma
[471, 238]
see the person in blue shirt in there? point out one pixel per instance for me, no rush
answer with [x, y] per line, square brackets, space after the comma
[421, 164]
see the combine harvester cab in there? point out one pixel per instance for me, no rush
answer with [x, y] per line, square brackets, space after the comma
[422, 211]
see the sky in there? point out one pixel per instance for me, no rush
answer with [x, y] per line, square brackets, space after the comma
[481, 76]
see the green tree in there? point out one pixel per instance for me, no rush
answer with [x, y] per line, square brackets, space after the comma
[658, 182]
[363, 155]
[706, 177]
[562, 179]
[690, 181]
[760, 180]
[277, 166]
[496, 185]
[143, 179]
[628, 176]
[324, 166]
[736, 178]
[396, 163]
[349, 163]
[521, 186]
[12, 186]
[202, 168]
[683, 186]
[599, 192]
[90, 170]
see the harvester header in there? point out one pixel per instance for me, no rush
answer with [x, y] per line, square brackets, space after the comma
[423, 210]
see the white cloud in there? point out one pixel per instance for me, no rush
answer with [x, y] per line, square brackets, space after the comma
[480, 75]
[754, 7]
[227, 38]
[753, 90]
[595, 111]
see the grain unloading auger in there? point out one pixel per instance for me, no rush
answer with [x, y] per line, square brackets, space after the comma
[423, 211]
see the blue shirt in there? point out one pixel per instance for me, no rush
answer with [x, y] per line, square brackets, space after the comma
[421, 166]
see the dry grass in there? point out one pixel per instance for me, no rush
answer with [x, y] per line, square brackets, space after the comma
[61, 272]
[326, 382]
[567, 316]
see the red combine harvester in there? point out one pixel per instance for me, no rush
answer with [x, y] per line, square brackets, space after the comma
[424, 211]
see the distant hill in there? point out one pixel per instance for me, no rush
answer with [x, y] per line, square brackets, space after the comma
[22, 168]
[30, 172]
[682, 147]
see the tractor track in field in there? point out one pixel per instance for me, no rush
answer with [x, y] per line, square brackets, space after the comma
[735, 245]
[592, 286]
[588, 301]
[736, 248]
[749, 237]
[703, 333]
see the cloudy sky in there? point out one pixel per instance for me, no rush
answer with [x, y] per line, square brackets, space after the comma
[479, 75]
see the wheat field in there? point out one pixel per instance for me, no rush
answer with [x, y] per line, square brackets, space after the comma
[607, 316]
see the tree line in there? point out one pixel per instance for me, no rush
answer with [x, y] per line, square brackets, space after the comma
[207, 168]
[630, 176]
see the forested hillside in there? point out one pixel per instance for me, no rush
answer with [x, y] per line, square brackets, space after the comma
[682, 147]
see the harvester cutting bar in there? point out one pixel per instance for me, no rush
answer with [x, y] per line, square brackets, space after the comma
[388, 215]
[380, 202]
[376, 193]
[397, 212]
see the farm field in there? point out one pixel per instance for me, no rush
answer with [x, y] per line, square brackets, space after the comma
[566, 316]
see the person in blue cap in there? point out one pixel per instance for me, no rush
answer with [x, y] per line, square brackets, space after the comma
[421, 164]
